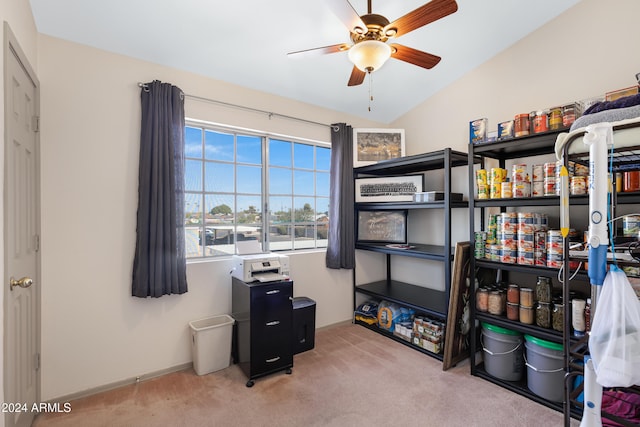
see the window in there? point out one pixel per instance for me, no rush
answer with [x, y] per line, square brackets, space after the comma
[241, 186]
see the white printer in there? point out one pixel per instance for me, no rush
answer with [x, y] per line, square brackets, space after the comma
[264, 267]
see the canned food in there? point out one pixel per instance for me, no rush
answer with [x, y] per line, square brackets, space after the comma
[578, 185]
[521, 189]
[518, 172]
[525, 257]
[508, 255]
[483, 191]
[494, 252]
[549, 170]
[540, 122]
[539, 258]
[538, 172]
[495, 189]
[568, 115]
[521, 124]
[554, 260]
[537, 189]
[481, 176]
[550, 186]
[498, 175]
[630, 225]
[505, 190]
[554, 242]
[540, 240]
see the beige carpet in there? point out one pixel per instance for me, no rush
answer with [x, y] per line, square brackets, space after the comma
[353, 377]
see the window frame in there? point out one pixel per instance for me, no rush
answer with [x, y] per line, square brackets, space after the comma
[265, 208]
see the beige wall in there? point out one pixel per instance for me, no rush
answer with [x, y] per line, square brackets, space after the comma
[585, 52]
[94, 333]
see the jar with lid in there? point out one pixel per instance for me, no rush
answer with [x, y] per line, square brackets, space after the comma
[496, 302]
[513, 294]
[557, 316]
[631, 181]
[526, 315]
[482, 299]
[555, 118]
[543, 289]
[513, 311]
[526, 297]
[543, 314]
[568, 115]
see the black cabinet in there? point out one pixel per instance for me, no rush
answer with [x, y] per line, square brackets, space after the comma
[424, 300]
[264, 327]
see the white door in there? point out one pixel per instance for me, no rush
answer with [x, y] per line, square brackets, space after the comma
[22, 285]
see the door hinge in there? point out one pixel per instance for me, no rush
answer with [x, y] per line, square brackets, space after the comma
[37, 362]
[37, 242]
[36, 123]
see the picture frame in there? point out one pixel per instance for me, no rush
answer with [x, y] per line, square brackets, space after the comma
[382, 226]
[388, 188]
[373, 145]
[456, 346]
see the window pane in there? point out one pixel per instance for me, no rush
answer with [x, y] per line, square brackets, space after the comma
[250, 149]
[249, 179]
[303, 183]
[218, 146]
[192, 208]
[279, 153]
[303, 156]
[193, 142]
[322, 184]
[279, 181]
[323, 158]
[280, 224]
[219, 177]
[192, 242]
[193, 175]
[219, 224]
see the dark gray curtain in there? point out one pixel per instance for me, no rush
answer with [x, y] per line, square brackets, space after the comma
[341, 246]
[159, 266]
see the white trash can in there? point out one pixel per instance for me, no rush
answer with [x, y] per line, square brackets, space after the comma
[211, 343]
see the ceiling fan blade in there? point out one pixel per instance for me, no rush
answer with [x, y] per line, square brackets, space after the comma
[423, 15]
[413, 56]
[334, 48]
[357, 77]
[347, 14]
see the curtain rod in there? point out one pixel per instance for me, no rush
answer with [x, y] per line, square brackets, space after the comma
[254, 110]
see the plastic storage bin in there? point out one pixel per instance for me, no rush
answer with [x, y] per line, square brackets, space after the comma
[502, 352]
[545, 368]
[211, 343]
[304, 324]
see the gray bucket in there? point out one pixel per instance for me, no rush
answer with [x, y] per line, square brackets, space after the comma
[545, 368]
[502, 352]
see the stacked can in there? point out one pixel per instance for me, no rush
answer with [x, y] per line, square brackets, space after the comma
[479, 243]
[579, 180]
[481, 183]
[498, 176]
[537, 186]
[521, 186]
[526, 228]
[507, 237]
[554, 249]
[549, 173]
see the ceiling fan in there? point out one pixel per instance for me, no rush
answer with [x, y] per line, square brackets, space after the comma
[370, 33]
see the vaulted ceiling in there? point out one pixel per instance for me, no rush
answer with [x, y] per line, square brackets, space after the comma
[246, 43]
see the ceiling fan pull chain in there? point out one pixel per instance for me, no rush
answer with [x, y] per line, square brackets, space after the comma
[370, 93]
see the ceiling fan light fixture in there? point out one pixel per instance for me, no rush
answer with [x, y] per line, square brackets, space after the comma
[369, 55]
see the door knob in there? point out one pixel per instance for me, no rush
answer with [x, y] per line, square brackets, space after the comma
[25, 282]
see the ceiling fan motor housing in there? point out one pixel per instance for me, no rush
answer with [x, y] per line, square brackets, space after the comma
[376, 29]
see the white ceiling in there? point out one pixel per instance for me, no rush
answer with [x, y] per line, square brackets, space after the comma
[246, 43]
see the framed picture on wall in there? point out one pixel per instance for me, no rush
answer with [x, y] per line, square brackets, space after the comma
[382, 226]
[388, 188]
[373, 145]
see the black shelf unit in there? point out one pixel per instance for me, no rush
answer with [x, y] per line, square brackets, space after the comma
[518, 148]
[422, 299]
